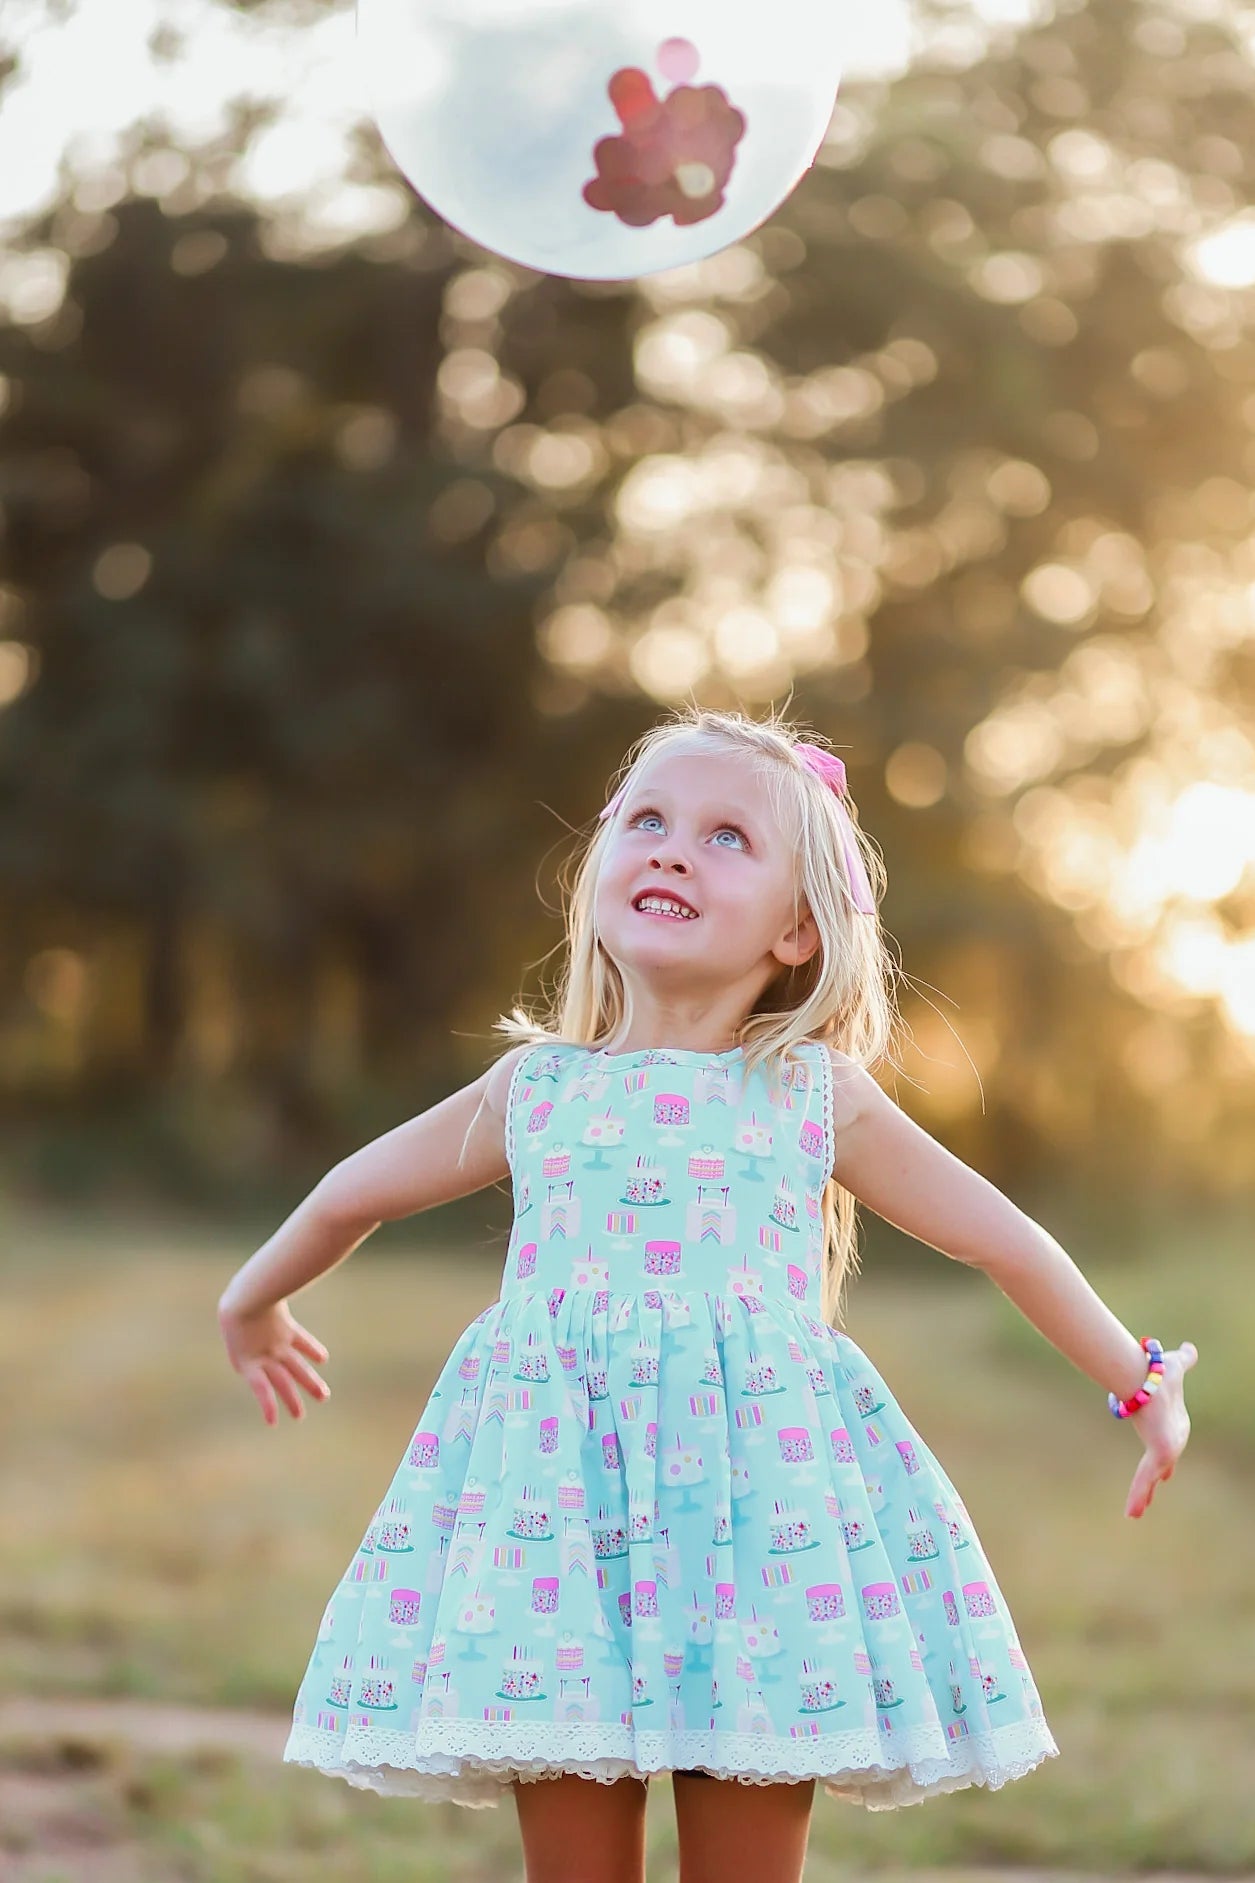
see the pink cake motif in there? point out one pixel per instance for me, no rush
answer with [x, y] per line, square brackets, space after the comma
[531, 1514]
[784, 1208]
[760, 1377]
[571, 1492]
[798, 1281]
[533, 1360]
[525, 1261]
[469, 1369]
[795, 1444]
[854, 1534]
[569, 1655]
[825, 1601]
[424, 1451]
[725, 1601]
[644, 1364]
[951, 1608]
[990, 1688]
[646, 1594]
[761, 1637]
[842, 1446]
[544, 1595]
[745, 1281]
[716, 1085]
[663, 1258]
[611, 1458]
[375, 1689]
[705, 1165]
[588, 1272]
[810, 1139]
[609, 1537]
[560, 1212]
[977, 1600]
[538, 1117]
[520, 1676]
[920, 1543]
[710, 1217]
[790, 1529]
[866, 1401]
[647, 1185]
[603, 1132]
[340, 1686]
[471, 1502]
[880, 1601]
[753, 1142]
[392, 1531]
[548, 1441]
[404, 1609]
[557, 1163]
[957, 1538]
[906, 1452]
[817, 1689]
[477, 1615]
[885, 1691]
[671, 1108]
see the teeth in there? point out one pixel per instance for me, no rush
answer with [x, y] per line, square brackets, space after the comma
[663, 906]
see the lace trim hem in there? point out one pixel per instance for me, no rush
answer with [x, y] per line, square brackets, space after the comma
[473, 1762]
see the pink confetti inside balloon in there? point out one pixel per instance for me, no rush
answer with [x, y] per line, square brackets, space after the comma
[602, 142]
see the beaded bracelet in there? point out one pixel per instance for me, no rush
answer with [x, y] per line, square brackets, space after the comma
[1122, 1408]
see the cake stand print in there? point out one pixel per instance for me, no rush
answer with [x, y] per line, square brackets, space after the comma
[656, 1513]
[599, 142]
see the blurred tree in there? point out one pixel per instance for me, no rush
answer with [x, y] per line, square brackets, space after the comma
[344, 570]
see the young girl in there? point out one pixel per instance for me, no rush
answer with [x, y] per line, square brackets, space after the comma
[659, 1514]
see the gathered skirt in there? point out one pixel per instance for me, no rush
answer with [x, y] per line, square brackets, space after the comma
[666, 1531]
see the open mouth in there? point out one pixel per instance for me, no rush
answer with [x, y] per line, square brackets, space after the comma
[664, 908]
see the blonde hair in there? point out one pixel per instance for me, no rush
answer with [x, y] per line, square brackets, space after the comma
[842, 996]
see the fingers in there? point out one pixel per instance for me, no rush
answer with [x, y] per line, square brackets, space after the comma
[308, 1343]
[307, 1377]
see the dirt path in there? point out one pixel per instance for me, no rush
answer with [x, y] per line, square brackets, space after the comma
[58, 1833]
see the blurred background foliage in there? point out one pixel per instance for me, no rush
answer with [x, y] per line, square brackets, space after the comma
[339, 562]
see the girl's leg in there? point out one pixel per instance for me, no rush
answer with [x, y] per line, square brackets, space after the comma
[727, 1829]
[577, 1831]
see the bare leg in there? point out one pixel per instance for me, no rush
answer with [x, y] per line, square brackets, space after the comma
[578, 1831]
[727, 1829]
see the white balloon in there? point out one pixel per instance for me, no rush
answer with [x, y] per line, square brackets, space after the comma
[602, 139]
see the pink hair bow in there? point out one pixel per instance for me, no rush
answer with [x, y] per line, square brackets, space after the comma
[831, 769]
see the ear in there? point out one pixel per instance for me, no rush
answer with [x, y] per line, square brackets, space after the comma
[799, 942]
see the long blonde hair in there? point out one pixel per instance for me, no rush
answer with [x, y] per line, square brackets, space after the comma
[843, 995]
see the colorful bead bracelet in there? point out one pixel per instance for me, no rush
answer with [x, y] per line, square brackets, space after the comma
[1122, 1408]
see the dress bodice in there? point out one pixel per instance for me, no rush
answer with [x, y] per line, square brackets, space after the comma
[668, 1169]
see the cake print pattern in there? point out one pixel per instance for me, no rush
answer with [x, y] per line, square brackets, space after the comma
[656, 1513]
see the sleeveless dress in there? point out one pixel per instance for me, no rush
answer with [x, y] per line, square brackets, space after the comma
[657, 1514]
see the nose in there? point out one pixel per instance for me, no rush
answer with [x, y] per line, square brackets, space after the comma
[666, 856]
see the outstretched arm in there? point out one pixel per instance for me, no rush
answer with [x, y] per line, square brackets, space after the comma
[893, 1166]
[448, 1151]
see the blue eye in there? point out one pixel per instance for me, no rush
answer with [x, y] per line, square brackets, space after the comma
[640, 816]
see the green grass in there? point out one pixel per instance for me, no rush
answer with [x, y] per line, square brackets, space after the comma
[161, 1541]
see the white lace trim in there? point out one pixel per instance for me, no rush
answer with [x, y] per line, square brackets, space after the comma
[826, 1077]
[472, 1762]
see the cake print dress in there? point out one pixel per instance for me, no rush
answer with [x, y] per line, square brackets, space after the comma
[657, 1514]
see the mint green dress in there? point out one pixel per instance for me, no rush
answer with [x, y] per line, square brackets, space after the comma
[657, 1515]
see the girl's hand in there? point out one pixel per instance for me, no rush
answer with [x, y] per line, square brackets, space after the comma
[1163, 1425]
[266, 1348]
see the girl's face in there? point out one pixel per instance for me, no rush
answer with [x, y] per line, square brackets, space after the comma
[699, 827]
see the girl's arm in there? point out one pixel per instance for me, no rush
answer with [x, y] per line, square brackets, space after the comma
[449, 1151]
[893, 1166]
